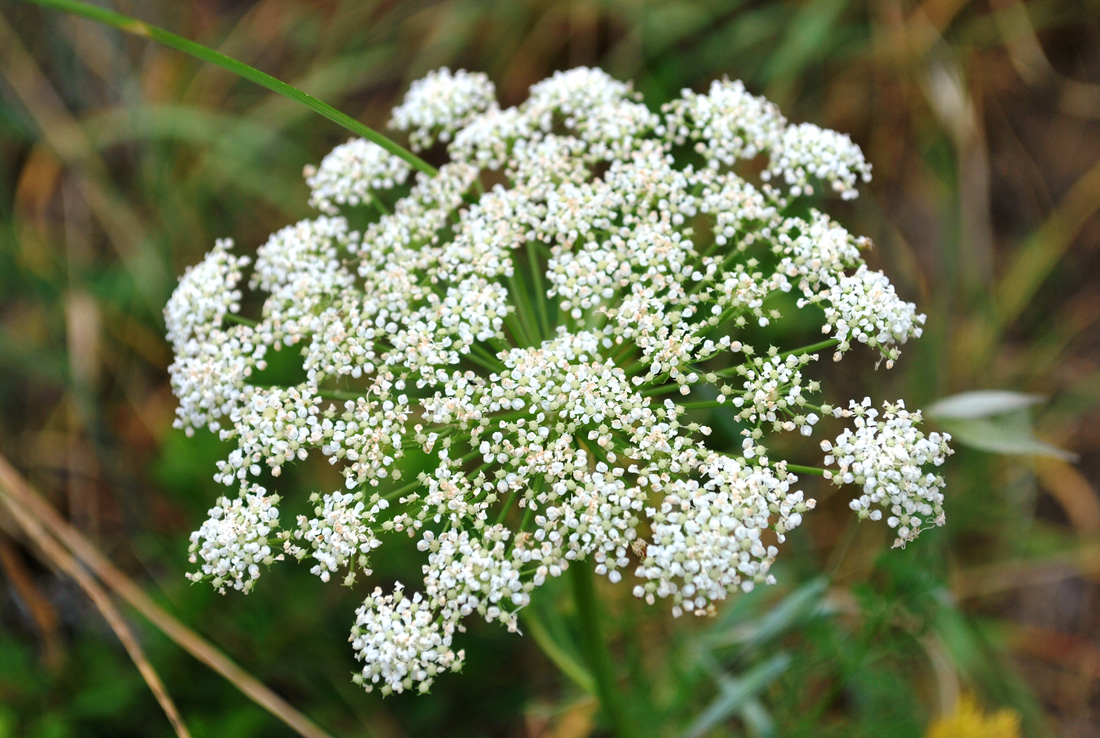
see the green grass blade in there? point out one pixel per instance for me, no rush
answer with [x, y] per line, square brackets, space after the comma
[736, 692]
[794, 610]
[560, 655]
[172, 41]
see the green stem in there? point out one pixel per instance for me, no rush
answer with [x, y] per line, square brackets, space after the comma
[811, 348]
[507, 506]
[394, 493]
[235, 318]
[624, 353]
[528, 516]
[599, 658]
[379, 205]
[340, 394]
[524, 312]
[705, 403]
[664, 389]
[539, 289]
[483, 358]
[515, 328]
[488, 360]
[140, 28]
[799, 469]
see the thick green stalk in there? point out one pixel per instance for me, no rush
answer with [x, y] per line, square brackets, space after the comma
[599, 658]
[234, 318]
[664, 389]
[140, 28]
[480, 356]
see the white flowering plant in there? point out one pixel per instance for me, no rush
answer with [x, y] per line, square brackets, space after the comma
[549, 316]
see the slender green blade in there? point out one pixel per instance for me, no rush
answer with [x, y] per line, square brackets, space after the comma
[790, 612]
[736, 692]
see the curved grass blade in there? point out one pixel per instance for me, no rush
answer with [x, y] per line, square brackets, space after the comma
[792, 611]
[562, 657]
[140, 28]
[737, 692]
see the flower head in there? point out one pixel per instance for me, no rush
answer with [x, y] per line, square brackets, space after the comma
[553, 343]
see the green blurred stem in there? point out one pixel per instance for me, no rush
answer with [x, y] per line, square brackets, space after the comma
[529, 505]
[561, 658]
[140, 28]
[599, 658]
[379, 205]
[664, 389]
[705, 403]
[507, 506]
[339, 395]
[480, 356]
[525, 312]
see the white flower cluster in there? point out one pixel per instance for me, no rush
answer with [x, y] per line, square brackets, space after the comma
[401, 642]
[710, 537]
[442, 103]
[473, 573]
[727, 124]
[236, 539]
[342, 533]
[886, 457]
[807, 151]
[864, 306]
[211, 362]
[352, 173]
[554, 343]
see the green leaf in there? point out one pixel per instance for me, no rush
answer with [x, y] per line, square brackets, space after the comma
[790, 612]
[758, 720]
[1001, 436]
[557, 649]
[993, 420]
[980, 404]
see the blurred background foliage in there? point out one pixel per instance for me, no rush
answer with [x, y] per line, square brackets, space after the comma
[122, 161]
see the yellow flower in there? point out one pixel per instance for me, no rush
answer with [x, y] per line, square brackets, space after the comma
[968, 721]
